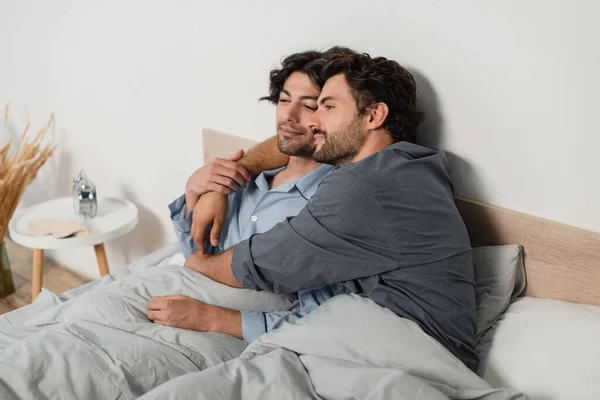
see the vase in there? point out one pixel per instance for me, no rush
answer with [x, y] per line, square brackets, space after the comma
[7, 287]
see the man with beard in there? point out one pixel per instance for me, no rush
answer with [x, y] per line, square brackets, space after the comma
[274, 194]
[383, 224]
[253, 205]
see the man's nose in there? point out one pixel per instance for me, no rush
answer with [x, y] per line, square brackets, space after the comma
[314, 122]
[293, 113]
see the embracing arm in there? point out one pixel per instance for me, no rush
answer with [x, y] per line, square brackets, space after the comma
[264, 156]
[226, 175]
[335, 238]
[217, 267]
[208, 207]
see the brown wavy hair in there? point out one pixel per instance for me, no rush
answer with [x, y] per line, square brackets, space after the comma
[308, 62]
[375, 80]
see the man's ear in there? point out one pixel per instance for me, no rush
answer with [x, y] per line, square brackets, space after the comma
[376, 116]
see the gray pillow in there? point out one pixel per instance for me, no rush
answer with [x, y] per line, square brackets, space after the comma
[499, 280]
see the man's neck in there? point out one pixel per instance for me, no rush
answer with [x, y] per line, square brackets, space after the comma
[296, 167]
[376, 141]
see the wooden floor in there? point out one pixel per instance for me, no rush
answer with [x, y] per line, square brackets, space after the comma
[57, 279]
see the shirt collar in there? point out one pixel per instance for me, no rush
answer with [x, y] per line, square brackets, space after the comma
[262, 179]
[272, 172]
[306, 184]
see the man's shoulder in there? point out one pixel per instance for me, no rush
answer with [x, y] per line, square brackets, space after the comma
[400, 166]
[390, 158]
[339, 185]
[403, 161]
[401, 153]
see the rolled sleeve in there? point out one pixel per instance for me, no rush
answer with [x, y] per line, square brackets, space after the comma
[181, 223]
[253, 326]
[182, 226]
[331, 240]
[241, 265]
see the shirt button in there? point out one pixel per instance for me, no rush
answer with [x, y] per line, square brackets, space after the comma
[254, 218]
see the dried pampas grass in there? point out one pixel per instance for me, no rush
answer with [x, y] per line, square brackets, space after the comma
[19, 167]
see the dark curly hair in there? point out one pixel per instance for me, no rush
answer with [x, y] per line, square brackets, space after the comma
[308, 62]
[375, 80]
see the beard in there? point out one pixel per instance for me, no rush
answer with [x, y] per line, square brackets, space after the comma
[341, 146]
[298, 146]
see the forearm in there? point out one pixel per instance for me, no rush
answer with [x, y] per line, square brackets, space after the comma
[217, 267]
[264, 156]
[301, 253]
[229, 322]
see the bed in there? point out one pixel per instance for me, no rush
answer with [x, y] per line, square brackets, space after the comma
[538, 324]
[545, 343]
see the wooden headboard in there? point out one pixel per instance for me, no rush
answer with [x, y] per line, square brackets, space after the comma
[219, 144]
[561, 262]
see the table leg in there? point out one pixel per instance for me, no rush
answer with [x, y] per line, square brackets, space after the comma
[101, 257]
[38, 272]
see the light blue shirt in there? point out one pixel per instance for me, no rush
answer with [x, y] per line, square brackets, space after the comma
[256, 209]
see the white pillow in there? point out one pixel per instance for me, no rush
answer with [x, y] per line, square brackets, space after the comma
[548, 349]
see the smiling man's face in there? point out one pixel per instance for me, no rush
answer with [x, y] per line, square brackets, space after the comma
[337, 126]
[296, 104]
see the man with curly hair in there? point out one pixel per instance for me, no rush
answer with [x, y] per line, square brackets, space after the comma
[272, 194]
[383, 224]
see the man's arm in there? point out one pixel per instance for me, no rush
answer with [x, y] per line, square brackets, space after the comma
[217, 267]
[264, 156]
[219, 175]
[207, 219]
[187, 313]
[335, 238]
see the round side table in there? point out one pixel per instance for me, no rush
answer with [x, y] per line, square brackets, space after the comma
[115, 217]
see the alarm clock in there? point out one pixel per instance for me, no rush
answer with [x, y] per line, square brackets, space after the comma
[84, 196]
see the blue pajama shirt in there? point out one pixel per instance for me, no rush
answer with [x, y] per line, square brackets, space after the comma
[256, 209]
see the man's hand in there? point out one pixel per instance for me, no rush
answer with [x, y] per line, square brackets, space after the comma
[210, 209]
[187, 313]
[219, 175]
[182, 312]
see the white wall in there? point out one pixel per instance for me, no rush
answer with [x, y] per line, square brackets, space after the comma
[511, 88]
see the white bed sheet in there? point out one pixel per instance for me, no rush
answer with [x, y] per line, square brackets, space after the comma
[549, 349]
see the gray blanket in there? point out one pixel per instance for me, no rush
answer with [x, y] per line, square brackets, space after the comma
[349, 348]
[101, 345]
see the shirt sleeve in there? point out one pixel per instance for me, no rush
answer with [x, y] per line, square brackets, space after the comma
[183, 225]
[255, 324]
[335, 238]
